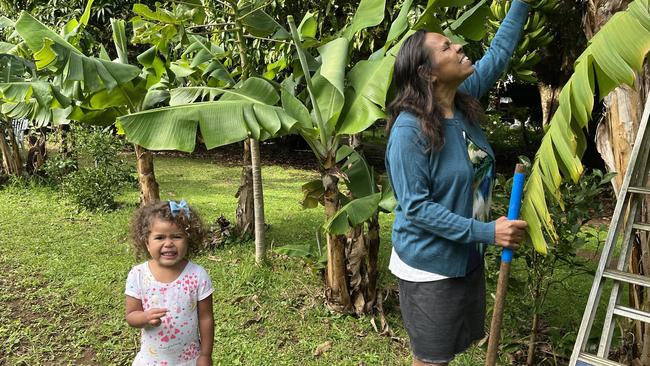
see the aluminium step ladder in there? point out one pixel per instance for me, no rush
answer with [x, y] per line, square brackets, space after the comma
[624, 224]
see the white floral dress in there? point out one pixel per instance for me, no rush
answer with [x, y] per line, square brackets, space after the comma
[175, 341]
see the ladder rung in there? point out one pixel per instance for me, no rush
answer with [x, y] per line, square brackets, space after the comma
[591, 360]
[641, 190]
[641, 226]
[627, 277]
[635, 314]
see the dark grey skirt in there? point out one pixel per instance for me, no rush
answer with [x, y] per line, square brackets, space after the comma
[443, 318]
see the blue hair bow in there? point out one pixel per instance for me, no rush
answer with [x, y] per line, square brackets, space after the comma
[176, 208]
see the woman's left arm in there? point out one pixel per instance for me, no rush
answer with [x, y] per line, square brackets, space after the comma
[206, 331]
[490, 67]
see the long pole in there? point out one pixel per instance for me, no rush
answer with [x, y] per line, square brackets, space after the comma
[504, 272]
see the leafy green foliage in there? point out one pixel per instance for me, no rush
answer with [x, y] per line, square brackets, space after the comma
[611, 59]
[577, 235]
[102, 173]
[57, 167]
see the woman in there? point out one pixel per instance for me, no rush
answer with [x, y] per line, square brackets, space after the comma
[441, 168]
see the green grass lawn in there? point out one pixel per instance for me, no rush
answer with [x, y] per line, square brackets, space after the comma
[61, 289]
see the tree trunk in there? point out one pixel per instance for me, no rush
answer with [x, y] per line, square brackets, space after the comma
[248, 213]
[7, 156]
[64, 147]
[373, 262]
[614, 138]
[17, 159]
[10, 152]
[149, 191]
[258, 200]
[245, 212]
[356, 251]
[337, 293]
[549, 100]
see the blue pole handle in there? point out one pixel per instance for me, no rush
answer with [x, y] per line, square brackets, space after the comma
[514, 206]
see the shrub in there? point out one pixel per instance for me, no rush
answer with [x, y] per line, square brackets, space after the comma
[102, 172]
[56, 168]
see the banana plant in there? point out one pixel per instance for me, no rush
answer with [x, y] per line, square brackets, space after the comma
[24, 94]
[612, 58]
[244, 110]
[102, 89]
[536, 35]
[336, 101]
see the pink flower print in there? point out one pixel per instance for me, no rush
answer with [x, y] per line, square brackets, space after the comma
[190, 352]
[169, 330]
[190, 283]
[164, 363]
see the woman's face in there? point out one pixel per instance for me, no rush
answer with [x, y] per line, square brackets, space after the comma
[451, 64]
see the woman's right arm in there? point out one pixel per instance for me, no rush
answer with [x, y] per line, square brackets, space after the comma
[490, 67]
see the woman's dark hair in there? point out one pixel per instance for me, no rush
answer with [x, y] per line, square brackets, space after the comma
[414, 93]
[191, 225]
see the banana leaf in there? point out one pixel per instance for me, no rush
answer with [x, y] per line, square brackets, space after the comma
[612, 58]
[52, 51]
[369, 14]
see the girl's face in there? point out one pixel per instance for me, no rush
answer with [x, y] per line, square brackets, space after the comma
[167, 243]
[452, 66]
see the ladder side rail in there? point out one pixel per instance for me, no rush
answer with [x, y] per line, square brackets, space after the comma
[596, 288]
[595, 292]
[626, 249]
[638, 178]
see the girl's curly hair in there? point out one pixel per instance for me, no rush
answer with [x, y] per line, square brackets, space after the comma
[143, 218]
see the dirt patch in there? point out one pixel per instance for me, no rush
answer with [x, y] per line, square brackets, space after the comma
[29, 315]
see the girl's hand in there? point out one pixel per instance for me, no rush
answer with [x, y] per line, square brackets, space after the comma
[153, 316]
[204, 361]
[509, 233]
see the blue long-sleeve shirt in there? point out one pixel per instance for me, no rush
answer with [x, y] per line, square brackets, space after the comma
[433, 229]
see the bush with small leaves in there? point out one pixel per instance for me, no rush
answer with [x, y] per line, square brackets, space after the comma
[102, 172]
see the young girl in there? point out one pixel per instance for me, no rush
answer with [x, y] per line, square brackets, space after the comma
[168, 296]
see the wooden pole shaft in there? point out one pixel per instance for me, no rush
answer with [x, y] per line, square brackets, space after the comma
[497, 314]
[504, 273]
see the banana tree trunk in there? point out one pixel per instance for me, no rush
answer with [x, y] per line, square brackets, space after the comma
[10, 153]
[7, 156]
[250, 215]
[149, 191]
[356, 251]
[337, 293]
[373, 262]
[18, 161]
[245, 212]
[549, 101]
[258, 199]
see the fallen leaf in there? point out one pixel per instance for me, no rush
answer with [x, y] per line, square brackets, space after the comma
[322, 348]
